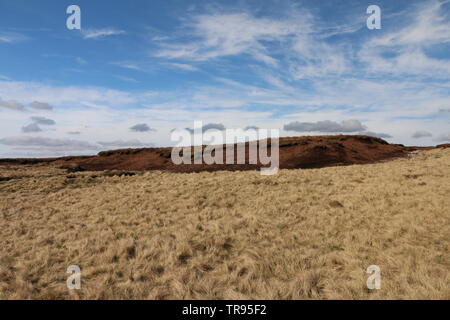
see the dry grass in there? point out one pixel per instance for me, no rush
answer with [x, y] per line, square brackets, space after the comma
[229, 235]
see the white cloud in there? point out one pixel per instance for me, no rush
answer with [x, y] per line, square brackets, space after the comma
[128, 65]
[228, 34]
[209, 126]
[406, 62]
[34, 91]
[403, 52]
[217, 35]
[127, 79]
[101, 33]
[12, 37]
[315, 58]
[325, 126]
[125, 144]
[160, 38]
[430, 26]
[182, 66]
[80, 60]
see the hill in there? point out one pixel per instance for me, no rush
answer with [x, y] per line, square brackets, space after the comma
[295, 152]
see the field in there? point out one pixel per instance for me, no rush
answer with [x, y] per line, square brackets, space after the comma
[301, 234]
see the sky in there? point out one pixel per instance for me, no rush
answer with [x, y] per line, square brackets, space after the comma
[138, 69]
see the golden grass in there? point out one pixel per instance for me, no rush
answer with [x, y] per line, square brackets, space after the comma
[229, 235]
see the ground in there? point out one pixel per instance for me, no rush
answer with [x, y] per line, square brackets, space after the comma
[301, 234]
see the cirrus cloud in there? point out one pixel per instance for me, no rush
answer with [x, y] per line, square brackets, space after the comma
[101, 33]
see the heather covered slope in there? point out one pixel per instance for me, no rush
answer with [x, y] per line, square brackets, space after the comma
[300, 234]
[295, 152]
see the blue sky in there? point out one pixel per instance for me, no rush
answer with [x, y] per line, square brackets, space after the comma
[138, 69]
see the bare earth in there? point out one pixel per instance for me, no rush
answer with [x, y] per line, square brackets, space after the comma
[301, 234]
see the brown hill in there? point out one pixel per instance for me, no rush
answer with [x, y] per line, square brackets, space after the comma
[295, 152]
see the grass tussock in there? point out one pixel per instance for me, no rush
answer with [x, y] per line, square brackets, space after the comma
[302, 234]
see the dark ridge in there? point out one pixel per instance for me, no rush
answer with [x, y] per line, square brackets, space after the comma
[295, 152]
